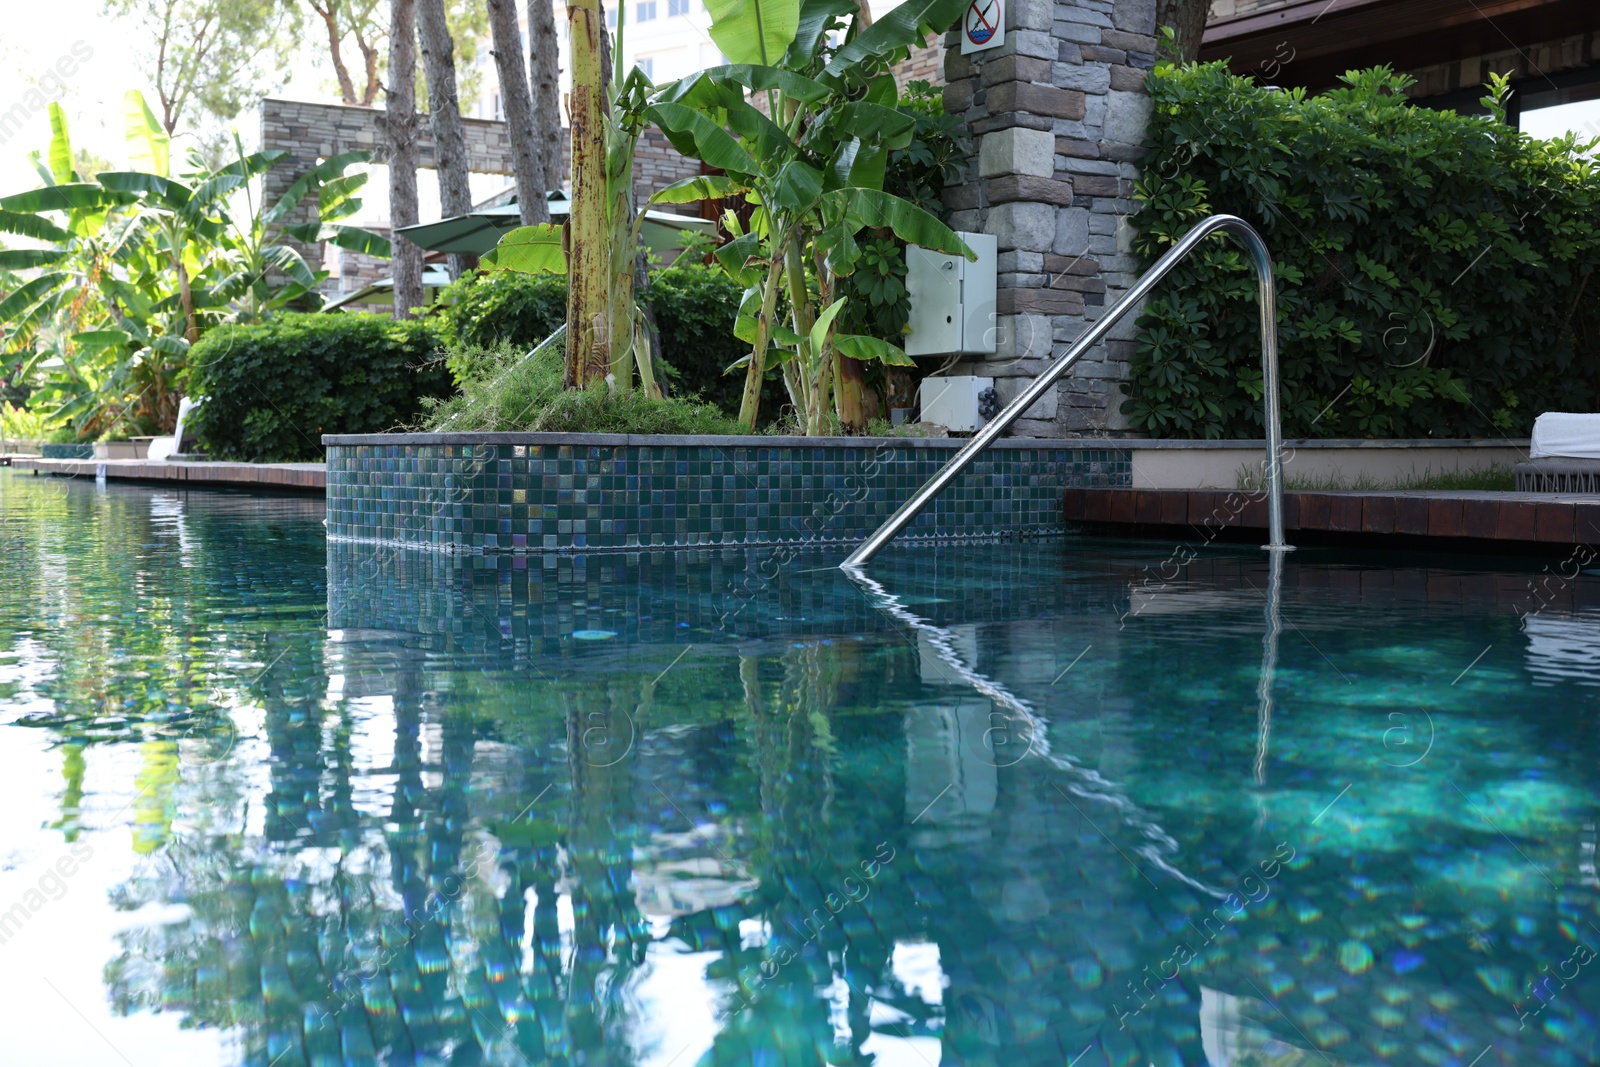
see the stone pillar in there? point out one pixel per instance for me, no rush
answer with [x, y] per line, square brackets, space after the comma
[1057, 113]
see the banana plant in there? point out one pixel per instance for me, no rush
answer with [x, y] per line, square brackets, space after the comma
[139, 263]
[599, 245]
[812, 161]
[258, 261]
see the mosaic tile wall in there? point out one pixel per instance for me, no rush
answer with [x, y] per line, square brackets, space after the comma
[502, 497]
[66, 451]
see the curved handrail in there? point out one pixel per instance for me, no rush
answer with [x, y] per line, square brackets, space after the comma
[1260, 261]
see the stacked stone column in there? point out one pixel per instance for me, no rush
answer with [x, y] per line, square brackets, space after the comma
[1058, 114]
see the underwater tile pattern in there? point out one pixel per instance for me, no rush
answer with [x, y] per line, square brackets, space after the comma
[499, 497]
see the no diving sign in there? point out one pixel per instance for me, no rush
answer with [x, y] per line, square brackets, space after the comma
[983, 25]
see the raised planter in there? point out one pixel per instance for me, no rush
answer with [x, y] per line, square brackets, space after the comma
[506, 492]
[75, 450]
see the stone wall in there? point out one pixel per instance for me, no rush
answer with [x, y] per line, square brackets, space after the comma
[923, 64]
[1058, 113]
[309, 132]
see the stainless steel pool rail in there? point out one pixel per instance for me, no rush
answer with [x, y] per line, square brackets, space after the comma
[1260, 261]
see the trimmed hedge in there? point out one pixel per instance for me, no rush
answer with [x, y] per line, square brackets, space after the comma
[273, 389]
[694, 309]
[1434, 269]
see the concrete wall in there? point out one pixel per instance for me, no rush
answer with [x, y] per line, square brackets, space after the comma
[1326, 464]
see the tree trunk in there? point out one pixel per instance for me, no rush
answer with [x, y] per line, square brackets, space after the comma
[1188, 21]
[330, 19]
[402, 124]
[544, 66]
[369, 59]
[848, 394]
[527, 161]
[444, 114]
[588, 239]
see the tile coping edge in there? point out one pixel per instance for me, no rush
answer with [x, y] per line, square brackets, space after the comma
[760, 441]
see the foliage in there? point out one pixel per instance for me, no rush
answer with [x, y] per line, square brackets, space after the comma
[140, 263]
[14, 388]
[939, 144]
[21, 423]
[693, 308]
[814, 163]
[1493, 478]
[216, 56]
[504, 388]
[483, 310]
[1434, 269]
[273, 389]
[599, 247]
[364, 22]
[876, 299]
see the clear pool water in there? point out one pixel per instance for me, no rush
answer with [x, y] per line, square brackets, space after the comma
[1075, 803]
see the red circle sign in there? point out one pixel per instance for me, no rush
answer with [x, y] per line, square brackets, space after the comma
[983, 19]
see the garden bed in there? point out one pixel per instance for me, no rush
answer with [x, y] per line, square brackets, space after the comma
[518, 492]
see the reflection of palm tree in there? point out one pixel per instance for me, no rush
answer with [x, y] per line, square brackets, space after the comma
[802, 863]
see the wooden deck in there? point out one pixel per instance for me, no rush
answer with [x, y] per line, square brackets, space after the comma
[1529, 518]
[308, 477]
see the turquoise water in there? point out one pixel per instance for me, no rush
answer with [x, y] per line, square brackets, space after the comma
[274, 802]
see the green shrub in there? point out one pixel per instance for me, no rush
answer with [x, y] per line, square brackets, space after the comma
[502, 389]
[486, 310]
[272, 390]
[694, 309]
[1433, 268]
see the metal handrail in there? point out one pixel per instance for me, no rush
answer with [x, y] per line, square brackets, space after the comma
[1260, 261]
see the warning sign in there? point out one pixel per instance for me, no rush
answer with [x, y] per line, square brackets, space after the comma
[983, 26]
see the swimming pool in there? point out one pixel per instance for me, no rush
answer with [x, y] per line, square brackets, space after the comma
[271, 801]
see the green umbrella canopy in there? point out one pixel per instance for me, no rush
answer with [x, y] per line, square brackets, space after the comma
[479, 231]
[382, 291]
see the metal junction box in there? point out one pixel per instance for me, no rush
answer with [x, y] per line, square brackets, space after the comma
[954, 402]
[952, 299]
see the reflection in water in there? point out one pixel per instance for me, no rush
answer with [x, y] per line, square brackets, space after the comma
[388, 808]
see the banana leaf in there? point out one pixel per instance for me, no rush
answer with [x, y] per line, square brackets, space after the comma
[871, 207]
[149, 147]
[902, 27]
[75, 197]
[30, 291]
[30, 225]
[60, 146]
[23, 258]
[696, 135]
[170, 192]
[701, 187]
[528, 250]
[860, 346]
[754, 31]
[816, 17]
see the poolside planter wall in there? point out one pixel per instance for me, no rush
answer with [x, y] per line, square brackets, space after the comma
[508, 492]
[74, 450]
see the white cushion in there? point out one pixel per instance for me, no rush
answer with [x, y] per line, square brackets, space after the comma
[161, 447]
[1566, 434]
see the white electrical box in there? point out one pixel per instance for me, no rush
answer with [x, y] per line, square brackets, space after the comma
[953, 402]
[952, 299]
